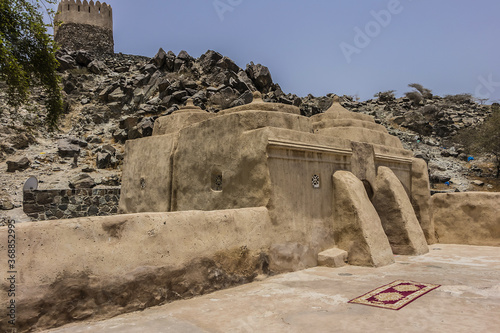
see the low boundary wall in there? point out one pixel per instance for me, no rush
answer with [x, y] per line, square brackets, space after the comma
[42, 205]
[99, 267]
[471, 218]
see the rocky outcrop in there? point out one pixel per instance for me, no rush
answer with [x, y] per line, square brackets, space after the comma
[260, 76]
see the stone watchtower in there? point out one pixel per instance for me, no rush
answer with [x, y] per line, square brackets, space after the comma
[84, 26]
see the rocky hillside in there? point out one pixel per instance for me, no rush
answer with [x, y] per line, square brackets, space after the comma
[112, 99]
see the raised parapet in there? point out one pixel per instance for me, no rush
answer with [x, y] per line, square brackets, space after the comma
[84, 25]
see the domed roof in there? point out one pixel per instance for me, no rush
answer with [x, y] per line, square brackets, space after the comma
[189, 107]
[340, 122]
[258, 104]
[337, 111]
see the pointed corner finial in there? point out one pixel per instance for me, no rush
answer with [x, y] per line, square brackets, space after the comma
[257, 97]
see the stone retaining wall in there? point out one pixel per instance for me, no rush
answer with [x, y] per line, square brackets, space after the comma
[64, 204]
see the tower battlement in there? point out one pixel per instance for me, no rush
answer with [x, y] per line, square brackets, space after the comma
[96, 14]
[84, 25]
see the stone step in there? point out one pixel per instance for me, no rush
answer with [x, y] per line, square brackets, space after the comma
[332, 258]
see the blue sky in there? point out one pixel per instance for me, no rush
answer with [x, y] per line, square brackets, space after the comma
[324, 46]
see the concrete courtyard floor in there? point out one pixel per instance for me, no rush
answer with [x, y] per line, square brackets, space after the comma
[315, 300]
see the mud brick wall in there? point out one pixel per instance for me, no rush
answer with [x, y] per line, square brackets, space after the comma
[65, 204]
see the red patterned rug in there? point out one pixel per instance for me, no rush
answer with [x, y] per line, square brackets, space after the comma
[395, 295]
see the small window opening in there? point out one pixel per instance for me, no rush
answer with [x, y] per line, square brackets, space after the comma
[216, 181]
[99, 10]
[78, 8]
[89, 9]
[68, 7]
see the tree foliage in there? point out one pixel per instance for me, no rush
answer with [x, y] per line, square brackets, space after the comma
[426, 93]
[419, 94]
[27, 55]
[484, 138]
[414, 96]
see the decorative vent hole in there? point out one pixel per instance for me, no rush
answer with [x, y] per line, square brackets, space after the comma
[316, 181]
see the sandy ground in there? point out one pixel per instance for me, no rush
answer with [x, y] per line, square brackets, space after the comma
[316, 300]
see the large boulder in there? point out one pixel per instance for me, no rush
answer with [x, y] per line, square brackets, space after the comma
[66, 62]
[397, 215]
[260, 76]
[83, 58]
[103, 160]
[82, 180]
[160, 58]
[183, 55]
[357, 226]
[243, 77]
[106, 157]
[209, 59]
[19, 165]
[146, 126]
[69, 147]
[128, 122]
[228, 64]
[170, 61]
[97, 67]
[21, 140]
